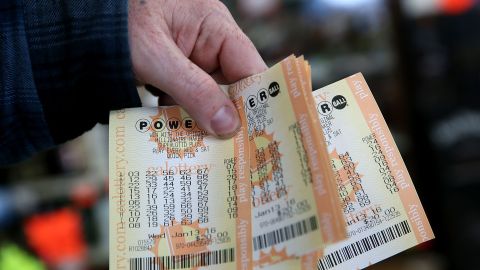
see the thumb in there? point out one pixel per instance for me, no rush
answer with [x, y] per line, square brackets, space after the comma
[192, 88]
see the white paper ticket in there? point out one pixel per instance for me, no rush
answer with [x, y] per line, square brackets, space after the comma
[383, 213]
[382, 209]
[179, 199]
[295, 206]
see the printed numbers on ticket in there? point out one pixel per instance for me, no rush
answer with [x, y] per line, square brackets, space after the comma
[381, 207]
[179, 199]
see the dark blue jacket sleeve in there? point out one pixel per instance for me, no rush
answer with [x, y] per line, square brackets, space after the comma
[63, 66]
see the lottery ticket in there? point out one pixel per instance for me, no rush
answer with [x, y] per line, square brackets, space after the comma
[383, 213]
[179, 199]
[295, 206]
[381, 207]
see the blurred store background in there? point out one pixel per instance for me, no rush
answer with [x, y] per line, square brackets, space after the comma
[421, 59]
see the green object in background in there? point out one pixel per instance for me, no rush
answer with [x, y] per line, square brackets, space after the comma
[14, 258]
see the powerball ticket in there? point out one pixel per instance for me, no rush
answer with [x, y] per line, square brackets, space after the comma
[290, 188]
[382, 210]
[179, 198]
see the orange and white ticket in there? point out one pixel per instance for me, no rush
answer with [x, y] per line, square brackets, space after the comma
[383, 213]
[295, 206]
[381, 207]
[179, 198]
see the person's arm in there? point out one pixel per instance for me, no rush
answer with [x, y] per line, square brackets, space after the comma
[63, 66]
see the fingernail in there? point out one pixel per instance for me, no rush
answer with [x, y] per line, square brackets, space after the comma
[225, 122]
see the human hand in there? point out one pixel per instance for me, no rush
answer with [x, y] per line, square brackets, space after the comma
[186, 47]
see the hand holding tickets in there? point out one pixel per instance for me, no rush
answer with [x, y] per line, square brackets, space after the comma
[279, 195]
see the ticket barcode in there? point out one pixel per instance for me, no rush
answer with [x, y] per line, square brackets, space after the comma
[183, 261]
[359, 247]
[286, 233]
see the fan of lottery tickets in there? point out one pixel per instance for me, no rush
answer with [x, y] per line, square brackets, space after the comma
[313, 180]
